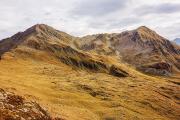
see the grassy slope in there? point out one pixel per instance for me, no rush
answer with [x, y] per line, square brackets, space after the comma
[80, 95]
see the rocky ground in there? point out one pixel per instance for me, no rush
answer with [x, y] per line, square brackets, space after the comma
[14, 107]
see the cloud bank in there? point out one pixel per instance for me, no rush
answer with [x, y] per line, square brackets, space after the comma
[82, 17]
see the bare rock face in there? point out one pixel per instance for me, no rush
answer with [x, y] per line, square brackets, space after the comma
[118, 72]
[159, 68]
[162, 65]
[14, 107]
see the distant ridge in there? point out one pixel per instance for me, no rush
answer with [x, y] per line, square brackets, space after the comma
[141, 47]
[177, 41]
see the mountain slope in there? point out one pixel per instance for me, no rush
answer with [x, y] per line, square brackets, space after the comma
[142, 48]
[50, 67]
[42, 38]
[34, 37]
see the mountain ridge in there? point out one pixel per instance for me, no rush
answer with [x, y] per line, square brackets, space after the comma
[41, 37]
[141, 42]
[134, 47]
[93, 77]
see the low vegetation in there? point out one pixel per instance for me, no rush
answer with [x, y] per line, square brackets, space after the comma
[75, 84]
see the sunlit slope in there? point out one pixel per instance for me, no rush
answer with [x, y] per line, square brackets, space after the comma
[42, 38]
[76, 94]
[78, 85]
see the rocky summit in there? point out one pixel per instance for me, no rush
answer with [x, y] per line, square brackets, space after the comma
[140, 47]
[131, 75]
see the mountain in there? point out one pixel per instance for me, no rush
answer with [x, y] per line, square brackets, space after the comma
[98, 77]
[45, 38]
[35, 37]
[177, 41]
[142, 48]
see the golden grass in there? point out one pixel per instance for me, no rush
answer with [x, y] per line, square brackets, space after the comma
[75, 94]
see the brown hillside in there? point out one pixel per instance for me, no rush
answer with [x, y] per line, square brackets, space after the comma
[141, 47]
[42, 38]
[88, 78]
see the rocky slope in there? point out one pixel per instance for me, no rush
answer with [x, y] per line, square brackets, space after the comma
[45, 38]
[14, 107]
[37, 37]
[142, 48]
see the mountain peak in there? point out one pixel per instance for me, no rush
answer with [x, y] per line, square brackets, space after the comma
[38, 27]
[41, 25]
[144, 29]
[147, 34]
[46, 30]
[35, 37]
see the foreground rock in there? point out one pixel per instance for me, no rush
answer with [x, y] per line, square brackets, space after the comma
[13, 107]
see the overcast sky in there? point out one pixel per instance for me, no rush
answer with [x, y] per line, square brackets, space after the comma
[82, 17]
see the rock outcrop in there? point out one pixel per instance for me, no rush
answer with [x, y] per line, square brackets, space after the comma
[14, 107]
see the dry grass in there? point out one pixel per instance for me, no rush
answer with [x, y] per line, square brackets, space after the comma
[75, 94]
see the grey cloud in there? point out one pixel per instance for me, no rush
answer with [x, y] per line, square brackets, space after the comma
[98, 7]
[171, 31]
[127, 22]
[114, 23]
[80, 17]
[164, 8]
